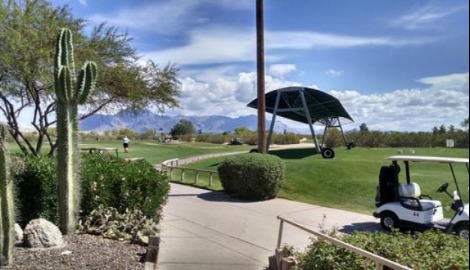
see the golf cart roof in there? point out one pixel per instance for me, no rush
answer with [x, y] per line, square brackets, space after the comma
[428, 159]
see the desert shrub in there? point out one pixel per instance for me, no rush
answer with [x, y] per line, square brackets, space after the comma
[218, 139]
[36, 182]
[212, 138]
[252, 176]
[287, 138]
[114, 182]
[132, 225]
[250, 139]
[428, 250]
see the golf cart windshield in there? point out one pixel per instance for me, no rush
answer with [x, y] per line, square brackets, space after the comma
[428, 159]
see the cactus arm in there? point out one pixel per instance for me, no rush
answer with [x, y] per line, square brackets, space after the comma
[86, 81]
[7, 209]
[64, 50]
[64, 85]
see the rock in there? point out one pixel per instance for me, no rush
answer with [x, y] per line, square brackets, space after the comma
[18, 234]
[40, 233]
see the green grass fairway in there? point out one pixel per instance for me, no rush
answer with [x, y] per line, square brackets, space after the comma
[346, 182]
[349, 180]
[156, 152]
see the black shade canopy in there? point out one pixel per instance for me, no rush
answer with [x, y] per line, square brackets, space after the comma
[323, 108]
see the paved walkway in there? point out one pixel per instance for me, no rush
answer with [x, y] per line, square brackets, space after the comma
[204, 230]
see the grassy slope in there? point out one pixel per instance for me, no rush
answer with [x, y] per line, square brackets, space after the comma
[346, 182]
[349, 180]
[155, 152]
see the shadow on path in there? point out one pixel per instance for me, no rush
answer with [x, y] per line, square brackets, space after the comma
[361, 226]
[184, 195]
[217, 196]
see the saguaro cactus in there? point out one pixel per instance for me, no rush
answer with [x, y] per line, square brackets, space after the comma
[70, 91]
[7, 209]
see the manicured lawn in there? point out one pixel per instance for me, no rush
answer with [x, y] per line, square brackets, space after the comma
[156, 152]
[349, 180]
[346, 182]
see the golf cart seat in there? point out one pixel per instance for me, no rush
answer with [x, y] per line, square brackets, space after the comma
[411, 198]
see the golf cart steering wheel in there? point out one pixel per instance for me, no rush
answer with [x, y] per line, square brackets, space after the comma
[443, 188]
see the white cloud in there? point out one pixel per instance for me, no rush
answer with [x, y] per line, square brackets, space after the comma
[334, 73]
[221, 44]
[83, 2]
[456, 81]
[399, 110]
[165, 17]
[281, 69]
[426, 17]
[406, 109]
[306, 40]
[211, 46]
[161, 17]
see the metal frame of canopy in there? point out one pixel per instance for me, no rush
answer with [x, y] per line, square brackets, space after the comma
[300, 108]
[304, 108]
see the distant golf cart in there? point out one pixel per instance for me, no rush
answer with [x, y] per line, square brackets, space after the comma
[403, 205]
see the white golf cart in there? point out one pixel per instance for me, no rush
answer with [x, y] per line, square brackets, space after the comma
[403, 205]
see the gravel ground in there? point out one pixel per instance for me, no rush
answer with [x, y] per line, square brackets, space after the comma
[87, 252]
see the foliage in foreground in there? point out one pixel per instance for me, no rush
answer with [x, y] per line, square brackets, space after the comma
[115, 182]
[132, 225]
[252, 176]
[106, 180]
[427, 250]
[37, 189]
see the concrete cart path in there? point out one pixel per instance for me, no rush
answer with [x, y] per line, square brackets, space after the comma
[209, 230]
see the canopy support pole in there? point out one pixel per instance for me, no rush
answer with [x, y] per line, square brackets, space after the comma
[271, 129]
[309, 120]
[342, 132]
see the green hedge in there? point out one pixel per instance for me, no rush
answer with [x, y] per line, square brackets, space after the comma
[252, 176]
[114, 182]
[428, 250]
[36, 182]
[105, 179]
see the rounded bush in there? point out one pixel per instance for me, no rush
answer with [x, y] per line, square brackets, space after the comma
[114, 182]
[252, 176]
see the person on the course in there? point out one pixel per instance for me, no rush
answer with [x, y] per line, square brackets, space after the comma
[125, 143]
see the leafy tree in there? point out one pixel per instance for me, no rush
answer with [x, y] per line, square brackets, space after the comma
[464, 123]
[242, 131]
[183, 127]
[125, 132]
[442, 129]
[363, 128]
[27, 35]
[149, 134]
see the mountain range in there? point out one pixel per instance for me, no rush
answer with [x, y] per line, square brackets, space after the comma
[147, 120]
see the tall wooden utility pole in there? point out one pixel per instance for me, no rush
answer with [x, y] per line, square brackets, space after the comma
[260, 73]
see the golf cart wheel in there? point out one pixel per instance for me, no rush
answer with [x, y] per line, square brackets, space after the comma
[327, 153]
[461, 230]
[388, 220]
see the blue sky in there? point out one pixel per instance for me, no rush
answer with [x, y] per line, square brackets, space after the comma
[395, 65]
